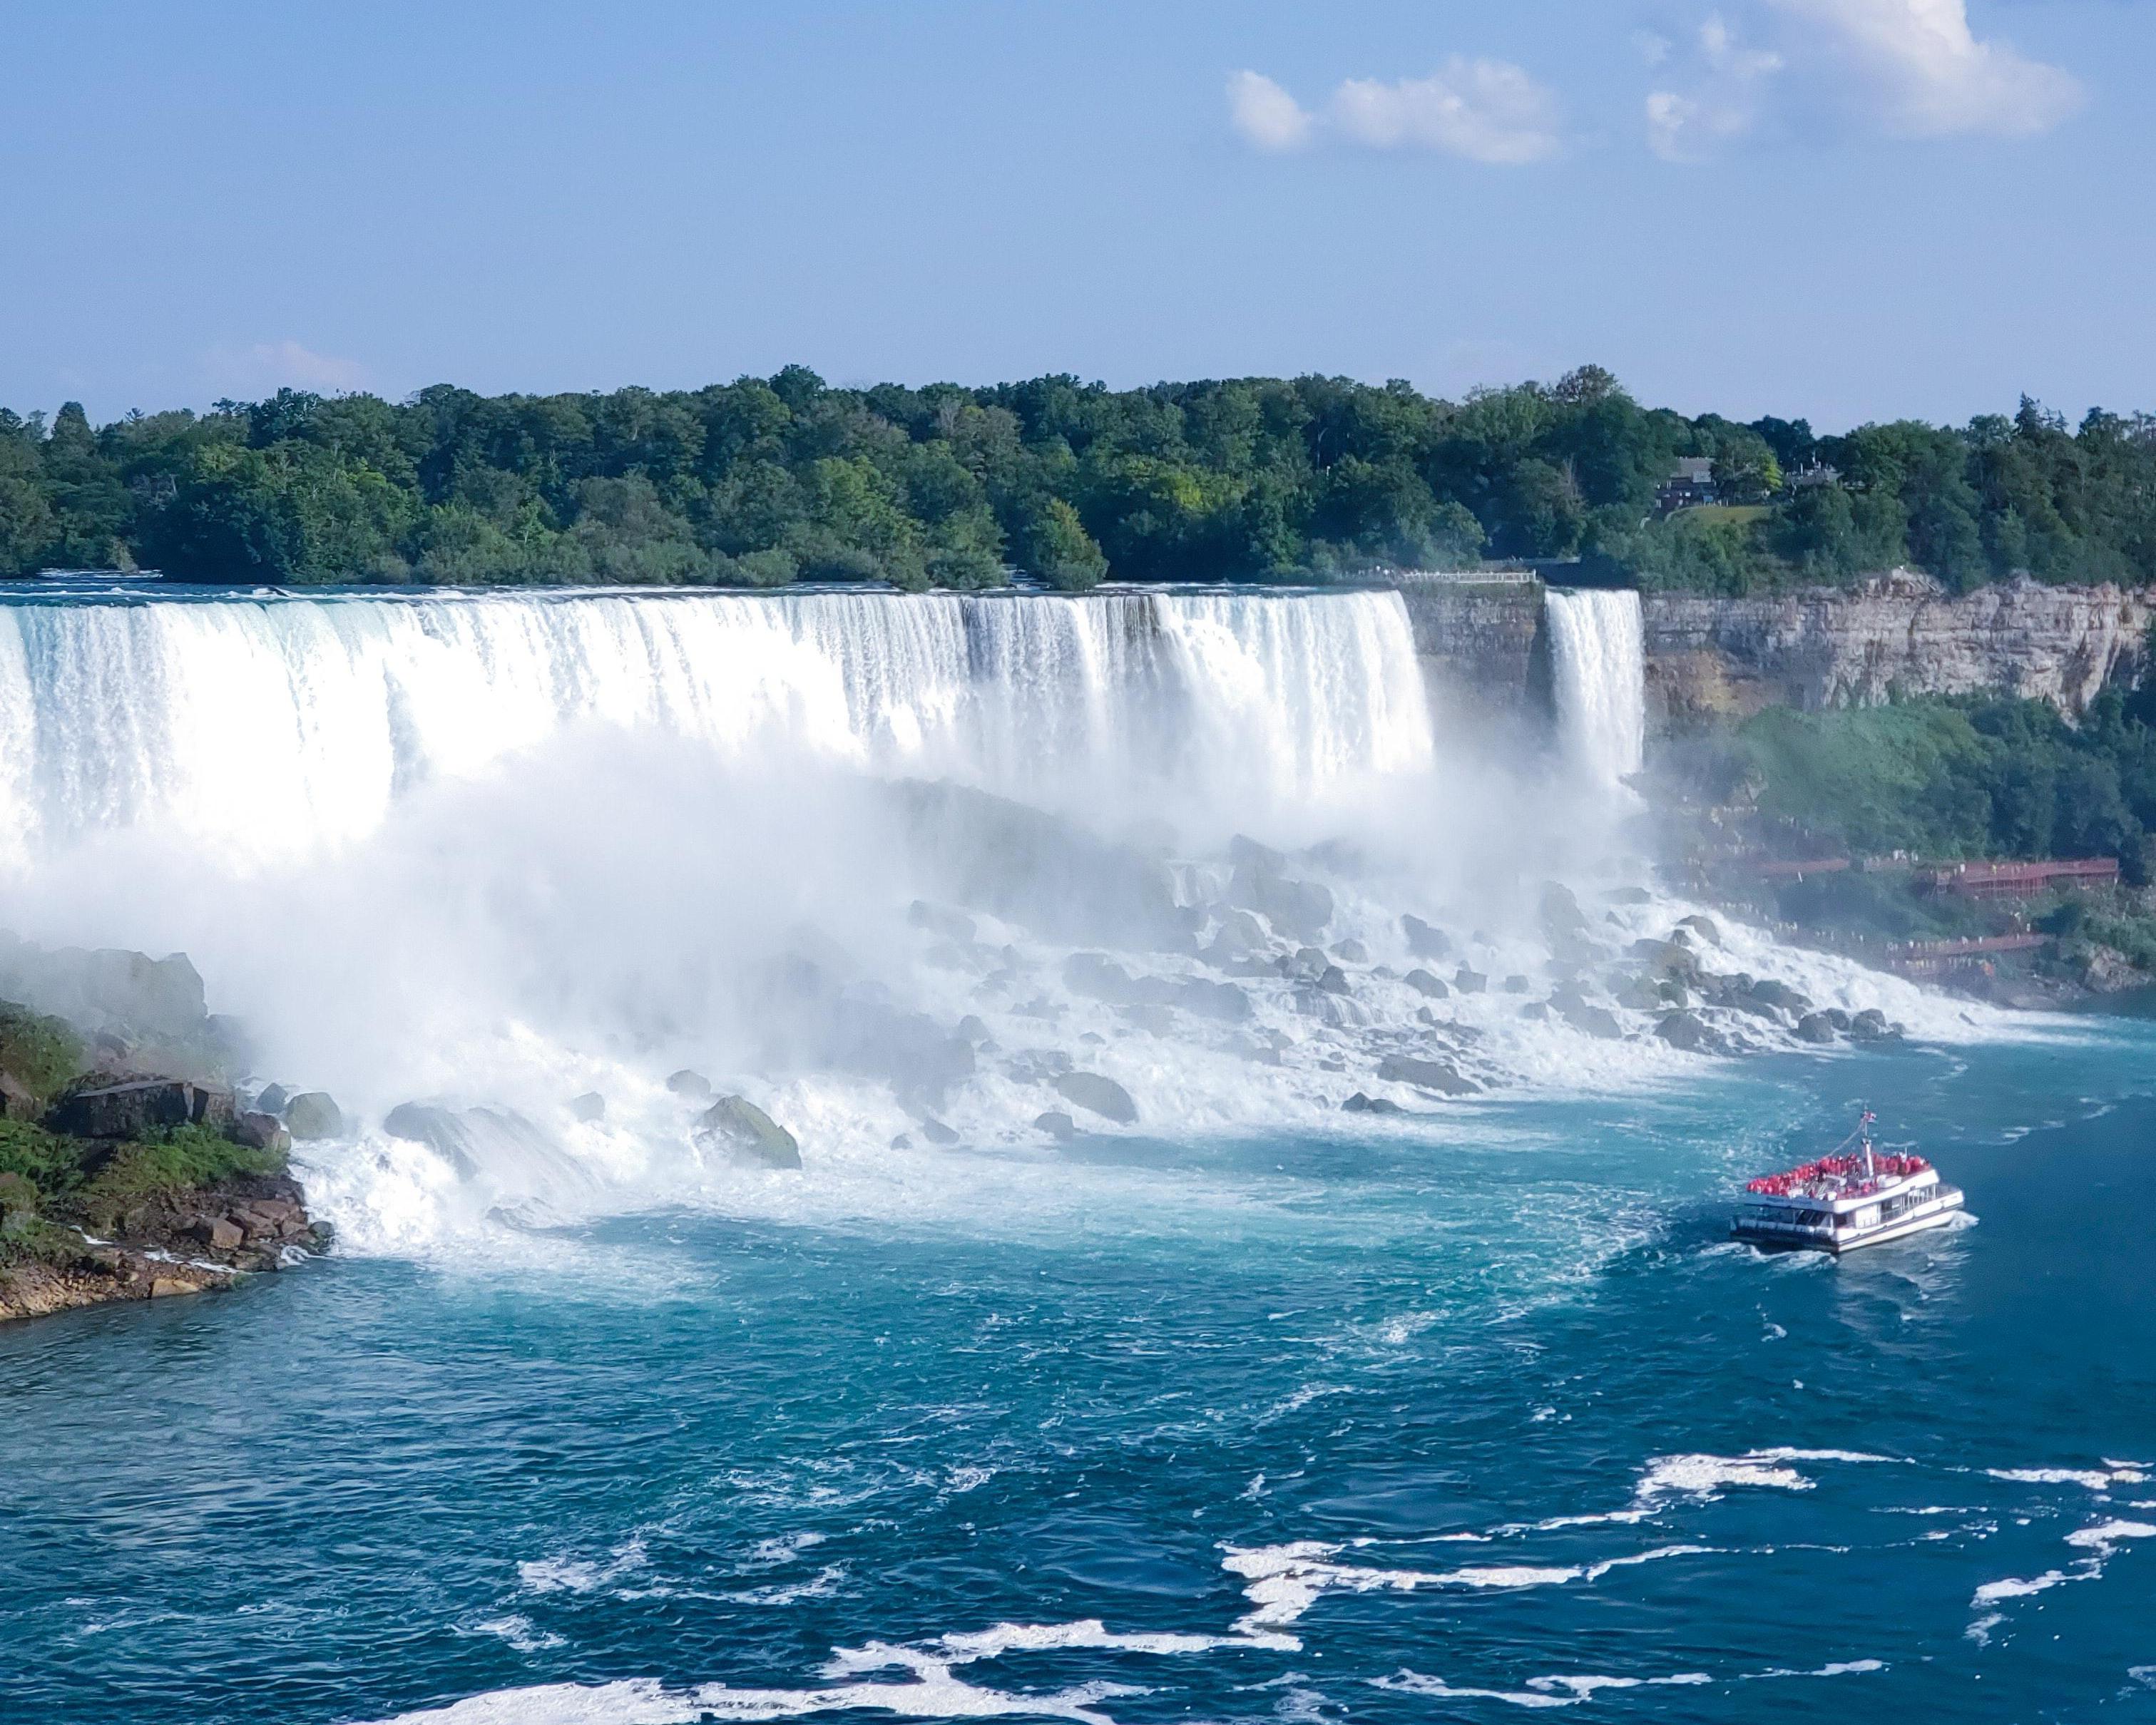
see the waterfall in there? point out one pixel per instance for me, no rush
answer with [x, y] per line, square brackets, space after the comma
[892, 868]
[272, 727]
[1598, 663]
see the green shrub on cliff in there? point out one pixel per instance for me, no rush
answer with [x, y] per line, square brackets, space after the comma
[1947, 780]
[48, 1162]
[41, 1053]
[185, 1157]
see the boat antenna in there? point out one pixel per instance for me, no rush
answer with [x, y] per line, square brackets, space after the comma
[1864, 1126]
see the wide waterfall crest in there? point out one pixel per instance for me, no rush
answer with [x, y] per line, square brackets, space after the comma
[1598, 659]
[314, 715]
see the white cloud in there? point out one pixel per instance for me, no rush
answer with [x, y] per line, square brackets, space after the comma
[1484, 110]
[1929, 75]
[1724, 103]
[267, 367]
[1265, 116]
[1912, 69]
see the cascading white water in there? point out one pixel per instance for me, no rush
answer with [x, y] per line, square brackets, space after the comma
[270, 728]
[1597, 662]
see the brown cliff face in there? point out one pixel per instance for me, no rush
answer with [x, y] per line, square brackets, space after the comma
[1897, 634]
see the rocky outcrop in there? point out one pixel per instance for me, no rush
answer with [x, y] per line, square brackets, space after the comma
[141, 1106]
[170, 1243]
[1899, 633]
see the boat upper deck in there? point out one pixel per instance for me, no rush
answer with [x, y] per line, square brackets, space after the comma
[1843, 1180]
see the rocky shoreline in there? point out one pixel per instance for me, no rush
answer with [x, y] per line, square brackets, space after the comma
[126, 1170]
[184, 1242]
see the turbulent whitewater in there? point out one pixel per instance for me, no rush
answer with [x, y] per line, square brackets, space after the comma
[905, 871]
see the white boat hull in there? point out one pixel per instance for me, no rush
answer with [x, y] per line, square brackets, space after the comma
[1936, 1216]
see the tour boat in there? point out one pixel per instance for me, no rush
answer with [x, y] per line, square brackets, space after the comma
[1849, 1197]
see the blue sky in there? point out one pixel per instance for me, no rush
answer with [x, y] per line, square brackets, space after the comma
[1847, 209]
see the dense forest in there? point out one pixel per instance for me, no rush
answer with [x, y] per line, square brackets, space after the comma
[768, 481]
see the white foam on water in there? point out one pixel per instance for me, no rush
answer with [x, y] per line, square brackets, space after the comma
[2104, 1538]
[1575, 1690]
[932, 1692]
[1283, 1582]
[520, 1633]
[1090, 1633]
[2101, 1540]
[580, 1575]
[2094, 1479]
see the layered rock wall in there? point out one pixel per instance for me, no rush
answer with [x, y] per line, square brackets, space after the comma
[1485, 650]
[1900, 633]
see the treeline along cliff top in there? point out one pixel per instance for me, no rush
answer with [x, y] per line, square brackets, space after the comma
[768, 481]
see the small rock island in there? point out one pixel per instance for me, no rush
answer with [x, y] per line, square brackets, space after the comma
[127, 1171]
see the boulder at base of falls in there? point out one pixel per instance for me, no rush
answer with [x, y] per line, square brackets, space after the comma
[1596, 1021]
[1688, 1031]
[746, 1135]
[1058, 1125]
[1423, 983]
[1350, 951]
[1439, 1076]
[1424, 941]
[1781, 996]
[262, 1131]
[950, 924]
[1334, 980]
[1099, 1095]
[1470, 982]
[1667, 957]
[1239, 935]
[1563, 922]
[1815, 1027]
[1360, 1104]
[1706, 928]
[1222, 1002]
[1871, 1025]
[314, 1114]
[1299, 910]
[693, 1085]
[589, 1106]
[937, 1132]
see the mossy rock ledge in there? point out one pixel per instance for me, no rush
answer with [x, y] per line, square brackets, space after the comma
[131, 1187]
